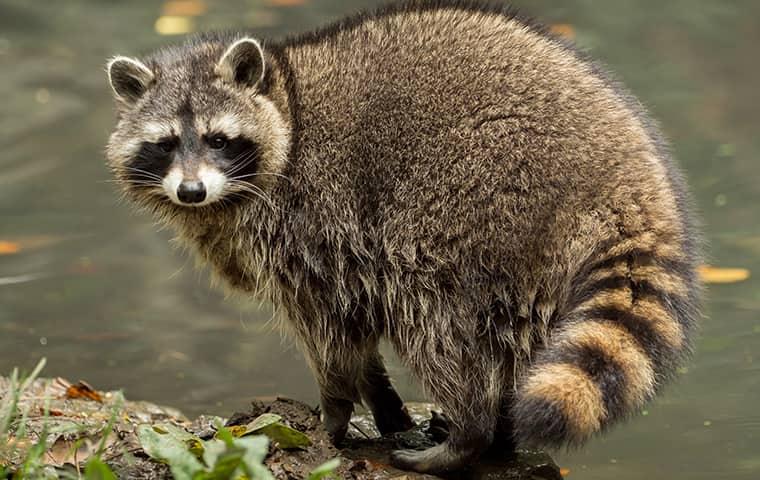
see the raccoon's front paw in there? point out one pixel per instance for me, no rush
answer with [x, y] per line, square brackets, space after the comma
[335, 416]
[391, 421]
[438, 428]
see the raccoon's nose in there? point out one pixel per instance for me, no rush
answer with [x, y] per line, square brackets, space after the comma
[191, 192]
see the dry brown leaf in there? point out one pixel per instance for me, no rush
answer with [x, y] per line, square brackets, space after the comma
[564, 30]
[286, 3]
[83, 390]
[710, 274]
[8, 248]
[189, 8]
[51, 412]
[68, 451]
[31, 242]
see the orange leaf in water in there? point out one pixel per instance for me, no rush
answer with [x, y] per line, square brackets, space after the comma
[189, 8]
[564, 30]
[83, 390]
[564, 472]
[722, 275]
[286, 3]
[8, 248]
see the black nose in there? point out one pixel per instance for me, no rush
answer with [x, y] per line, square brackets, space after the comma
[191, 192]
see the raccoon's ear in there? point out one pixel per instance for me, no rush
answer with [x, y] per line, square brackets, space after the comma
[129, 79]
[242, 63]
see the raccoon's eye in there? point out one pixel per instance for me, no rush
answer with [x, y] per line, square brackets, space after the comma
[166, 146]
[217, 142]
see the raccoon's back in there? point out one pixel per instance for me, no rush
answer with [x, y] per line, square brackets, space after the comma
[445, 127]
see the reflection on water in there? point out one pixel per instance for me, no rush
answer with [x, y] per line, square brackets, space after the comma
[99, 291]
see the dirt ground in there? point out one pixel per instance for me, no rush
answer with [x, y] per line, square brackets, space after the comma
[78, 415]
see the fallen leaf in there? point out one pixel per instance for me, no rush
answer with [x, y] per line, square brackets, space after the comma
[286, 3]
[564, 30]
[65, 451]
[723, 275]
[83, 390]
[32, 242]
[564, 472]
[174, 25]
[166, 448]
[190, 8]
[52, 413]
[262, 421]
[8, 248]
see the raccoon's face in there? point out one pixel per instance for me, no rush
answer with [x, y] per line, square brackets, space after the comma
[195, 126]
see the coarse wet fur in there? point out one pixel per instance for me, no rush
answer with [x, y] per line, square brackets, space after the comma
[441, 174]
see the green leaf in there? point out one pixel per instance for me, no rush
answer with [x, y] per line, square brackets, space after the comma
[193, 443]
[212, 449]
[285, 437]
[327, 469]
[226, 465]
[97, 470]
[168, 449]
[262, 421]
[256, 449]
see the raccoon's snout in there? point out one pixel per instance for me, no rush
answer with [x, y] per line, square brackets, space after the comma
[191, 192]
[198, 189]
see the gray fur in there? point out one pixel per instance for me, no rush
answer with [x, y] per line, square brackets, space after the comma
[463, 185]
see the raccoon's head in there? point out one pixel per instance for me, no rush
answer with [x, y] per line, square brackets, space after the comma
[197, 124]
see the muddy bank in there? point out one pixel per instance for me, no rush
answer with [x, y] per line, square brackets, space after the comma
[77, 422]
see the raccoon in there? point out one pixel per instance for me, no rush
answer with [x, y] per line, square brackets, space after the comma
[440, 174]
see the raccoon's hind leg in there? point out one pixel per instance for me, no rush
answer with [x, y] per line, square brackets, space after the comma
[381, 398]
[467, 386]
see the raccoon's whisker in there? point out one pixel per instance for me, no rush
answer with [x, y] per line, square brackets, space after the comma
[135, 169]
[147, 182]
[258, 193]
[244, 160]
[241, 187]
[143, 173]
[240, 161]
[240, 177]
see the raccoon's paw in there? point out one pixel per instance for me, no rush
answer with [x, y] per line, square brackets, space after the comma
[336, 414]
[391, 421]
[438, 459]
[438, 428]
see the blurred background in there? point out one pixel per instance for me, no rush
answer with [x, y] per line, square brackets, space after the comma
[100, 292]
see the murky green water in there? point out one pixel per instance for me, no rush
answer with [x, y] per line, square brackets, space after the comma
[100, 293]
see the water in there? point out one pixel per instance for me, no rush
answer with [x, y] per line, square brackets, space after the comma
[100, 292]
